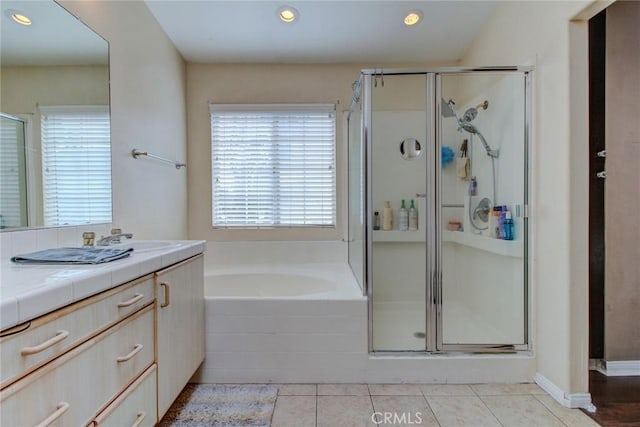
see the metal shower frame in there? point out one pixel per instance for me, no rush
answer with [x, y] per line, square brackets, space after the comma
[432, 218]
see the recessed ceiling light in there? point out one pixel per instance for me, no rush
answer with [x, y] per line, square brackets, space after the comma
[412, 18]
[18, 17]
[287, 14]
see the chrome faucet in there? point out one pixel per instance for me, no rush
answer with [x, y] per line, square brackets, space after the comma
[113, 238]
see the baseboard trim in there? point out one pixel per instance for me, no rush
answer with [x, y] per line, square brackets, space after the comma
[569, 400]
[619, 368]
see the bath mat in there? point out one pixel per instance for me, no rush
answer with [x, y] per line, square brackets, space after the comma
[222, 405]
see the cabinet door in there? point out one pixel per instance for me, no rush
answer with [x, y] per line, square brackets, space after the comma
[180, 293]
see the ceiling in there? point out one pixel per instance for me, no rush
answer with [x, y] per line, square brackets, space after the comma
[327, 31]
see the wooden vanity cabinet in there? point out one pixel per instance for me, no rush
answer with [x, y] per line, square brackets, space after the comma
[118, 358]
[180, 327]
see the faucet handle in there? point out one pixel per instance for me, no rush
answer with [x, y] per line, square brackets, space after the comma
[88, 239]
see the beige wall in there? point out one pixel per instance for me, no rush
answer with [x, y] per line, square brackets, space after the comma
[538, 33]
[147, 112]
[622, 187]
[255, 84]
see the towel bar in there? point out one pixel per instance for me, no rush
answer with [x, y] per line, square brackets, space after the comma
[135, 153]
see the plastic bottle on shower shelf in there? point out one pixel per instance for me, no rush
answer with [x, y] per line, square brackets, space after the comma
[387, 217]
[376, 220]
[508, 226]
[413, 217]
[494, 223]
[403, 218]
[501, 218]
[473, 186]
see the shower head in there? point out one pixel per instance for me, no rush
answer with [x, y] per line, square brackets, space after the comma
[447, 108]
[470, 114]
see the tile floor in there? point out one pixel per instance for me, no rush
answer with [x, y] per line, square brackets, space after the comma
[346, 405]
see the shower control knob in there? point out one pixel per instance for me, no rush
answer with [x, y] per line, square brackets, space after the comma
[602, 174]
[602, 153]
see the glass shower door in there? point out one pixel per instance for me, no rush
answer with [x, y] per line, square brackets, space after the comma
[397, 173]
[482, 210]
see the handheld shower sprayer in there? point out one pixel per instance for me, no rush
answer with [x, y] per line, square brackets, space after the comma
[448, 110]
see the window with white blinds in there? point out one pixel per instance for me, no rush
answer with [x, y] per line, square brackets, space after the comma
[273, 165]
[76, 164]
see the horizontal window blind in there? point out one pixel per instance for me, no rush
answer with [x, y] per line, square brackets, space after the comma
[273, 166]
[76, 164]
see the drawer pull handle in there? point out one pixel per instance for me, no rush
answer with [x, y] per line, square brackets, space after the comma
[135, 299]
[139, 418]
[60, 335]
[167, 295]
[60, 409]
[136, 350]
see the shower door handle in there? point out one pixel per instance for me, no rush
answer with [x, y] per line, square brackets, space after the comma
[602, 175]
[602, 153]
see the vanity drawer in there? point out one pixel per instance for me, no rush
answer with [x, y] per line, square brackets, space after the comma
[70, 390]
[53, 334]
[136, 406]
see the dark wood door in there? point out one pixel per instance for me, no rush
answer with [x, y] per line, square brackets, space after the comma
[597, 32]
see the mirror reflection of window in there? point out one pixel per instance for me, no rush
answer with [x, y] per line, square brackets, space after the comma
[76, 164]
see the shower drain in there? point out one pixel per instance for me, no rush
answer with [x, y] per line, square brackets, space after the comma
[419, 335]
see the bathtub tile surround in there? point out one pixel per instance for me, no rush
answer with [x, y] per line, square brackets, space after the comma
[447, 405]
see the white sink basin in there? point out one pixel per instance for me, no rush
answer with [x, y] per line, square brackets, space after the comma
[146, 245]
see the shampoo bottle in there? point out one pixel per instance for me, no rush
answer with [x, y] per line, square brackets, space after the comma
[403, 218]
[376, 220]
[413, 217]
[508, 226]
[387, 217]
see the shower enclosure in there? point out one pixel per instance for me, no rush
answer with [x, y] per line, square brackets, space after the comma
[453, 145]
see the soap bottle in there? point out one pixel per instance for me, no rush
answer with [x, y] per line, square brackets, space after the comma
[376, 220]
[508, 226]
[403, 218]
[494, 224]
[501, 218]
[387, 217]
[413, 217]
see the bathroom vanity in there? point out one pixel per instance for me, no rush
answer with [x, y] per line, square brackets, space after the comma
[119, 356]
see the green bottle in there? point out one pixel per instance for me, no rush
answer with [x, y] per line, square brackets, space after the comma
[403, 218]
[413, 217]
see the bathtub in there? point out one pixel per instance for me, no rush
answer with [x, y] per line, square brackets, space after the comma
[283, 323]
[306, 281]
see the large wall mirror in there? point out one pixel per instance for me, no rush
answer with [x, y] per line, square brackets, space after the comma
[55, 149]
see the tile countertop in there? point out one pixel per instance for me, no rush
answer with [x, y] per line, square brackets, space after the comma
[29, 291]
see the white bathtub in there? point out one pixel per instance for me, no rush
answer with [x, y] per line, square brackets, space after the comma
[283, 323]
[299, 281]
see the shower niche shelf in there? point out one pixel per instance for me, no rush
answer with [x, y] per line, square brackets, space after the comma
[510, 248]
[398, 236]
